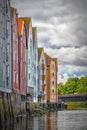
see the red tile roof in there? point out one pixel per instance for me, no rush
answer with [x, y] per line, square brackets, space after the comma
[48, 59]
[27, 21]
[20, 25]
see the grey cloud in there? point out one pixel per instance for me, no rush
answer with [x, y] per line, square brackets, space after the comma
[75, 62]
[69, 13]
[59, 47]
[75, 57]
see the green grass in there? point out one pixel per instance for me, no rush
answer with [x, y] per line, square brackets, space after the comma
[75, 105]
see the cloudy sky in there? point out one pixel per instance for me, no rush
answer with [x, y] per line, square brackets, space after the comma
[62, 31]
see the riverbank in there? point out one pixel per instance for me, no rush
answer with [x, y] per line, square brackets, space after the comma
[10, 112]
[76, 105]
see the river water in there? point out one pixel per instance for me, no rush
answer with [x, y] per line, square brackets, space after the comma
[61, 120]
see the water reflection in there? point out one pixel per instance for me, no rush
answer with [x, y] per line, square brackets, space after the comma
[61, 120]
[47, 122]
[52, 123]
[7, 127]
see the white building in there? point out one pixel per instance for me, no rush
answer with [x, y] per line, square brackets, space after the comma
[35, 53]
[42, 76]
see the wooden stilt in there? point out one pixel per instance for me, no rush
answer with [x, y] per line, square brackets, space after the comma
[12, 113]
[0, 120]
[3, 103]
[9, 107]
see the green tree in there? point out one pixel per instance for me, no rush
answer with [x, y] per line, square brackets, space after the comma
[60, 88]
[71, 85]
[82, 85]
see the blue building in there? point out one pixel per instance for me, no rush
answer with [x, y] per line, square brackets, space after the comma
[5, 46]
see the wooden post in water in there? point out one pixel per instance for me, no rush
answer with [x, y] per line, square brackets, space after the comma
[3, 103]
[0, 120]
[12, 113]
[9, 106]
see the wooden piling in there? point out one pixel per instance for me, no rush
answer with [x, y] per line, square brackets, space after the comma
[11, 106]
[3, 103]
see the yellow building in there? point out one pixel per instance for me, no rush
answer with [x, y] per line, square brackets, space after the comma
[51, 79]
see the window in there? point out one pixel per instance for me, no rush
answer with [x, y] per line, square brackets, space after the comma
[29, 76]
[53, 64]
[0, 18]
[29, 61]
[53, 90]
[42, 61]
[16, 78]
[7, 70]
[7, 81]
[52, 82]
[7, 6]
[53, 73]
[7, 33]
[7, 52]
[30, 40]
[7, 28]
[3, 70]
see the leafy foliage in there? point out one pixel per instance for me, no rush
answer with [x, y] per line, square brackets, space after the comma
[73, 85]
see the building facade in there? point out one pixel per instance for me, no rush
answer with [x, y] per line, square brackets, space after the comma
[41, 76]
[30, 61]
[15, 63]
[22, 49]
[35, 53]
[51, 79]
[5, 46]
[56, 78]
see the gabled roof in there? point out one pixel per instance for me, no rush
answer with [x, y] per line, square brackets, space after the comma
[20, 25]
[27, 21]
[56, 62]
[13, 13]
[34, 29]
[48, 59]
[39, 53]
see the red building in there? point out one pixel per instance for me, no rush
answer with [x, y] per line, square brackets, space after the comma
[22, 48]
[15, 71]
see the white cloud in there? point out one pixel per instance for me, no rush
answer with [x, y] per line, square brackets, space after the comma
[63, 78]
